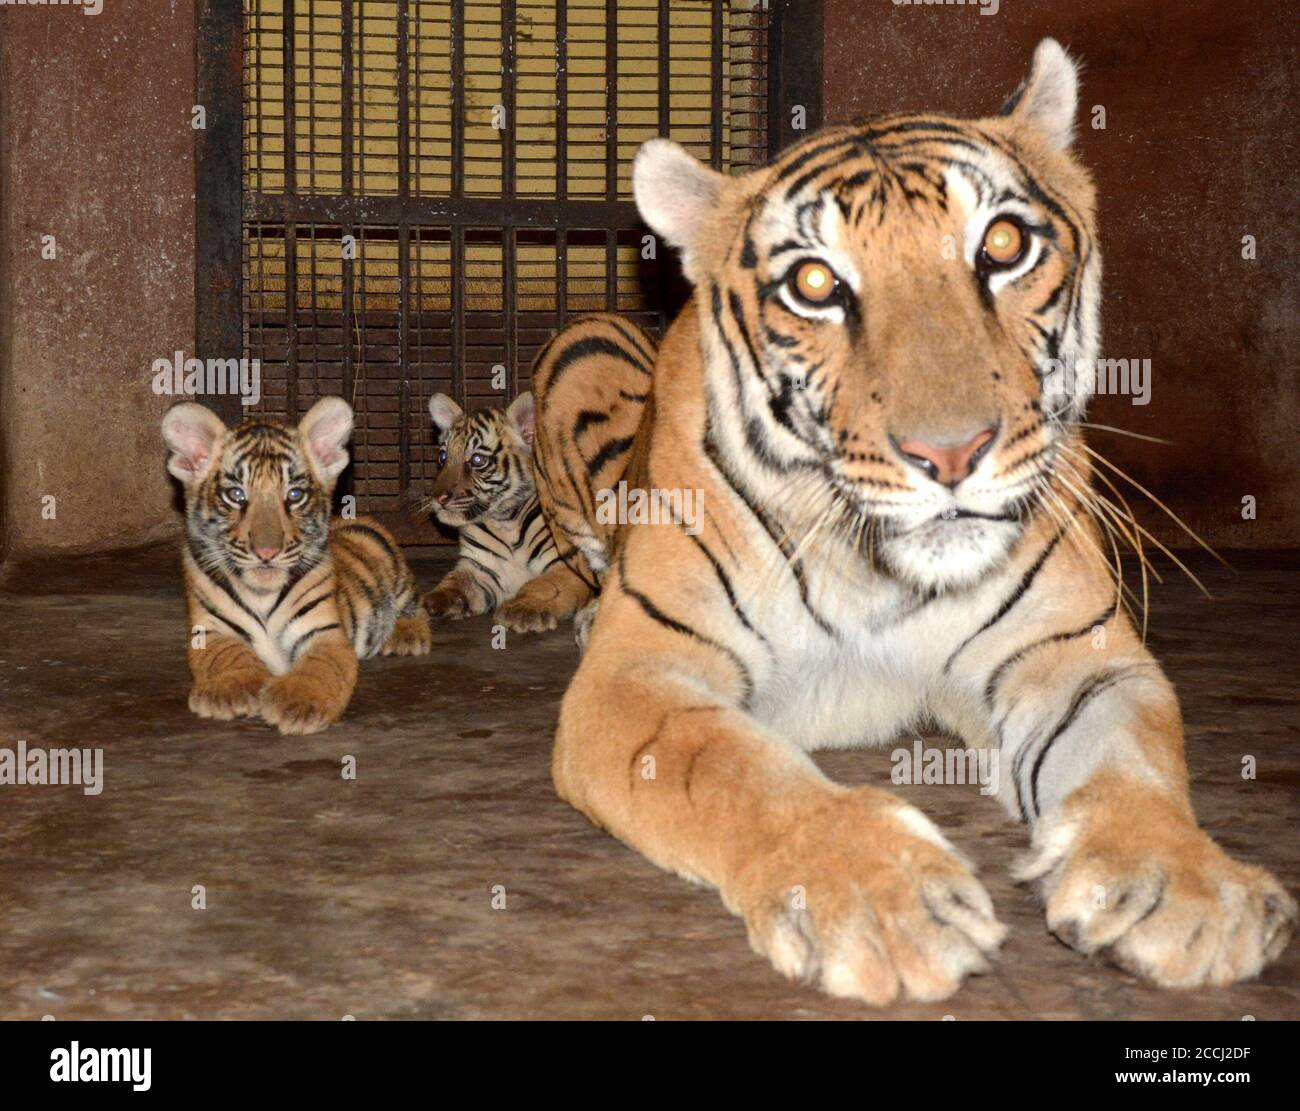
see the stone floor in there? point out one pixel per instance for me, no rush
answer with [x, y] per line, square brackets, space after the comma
[374, 897]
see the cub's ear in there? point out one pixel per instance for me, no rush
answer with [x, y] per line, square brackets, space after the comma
[523, 415]
[192, 434]
[1049, 97]
[444, 411]
[676, 195]
[326, 428]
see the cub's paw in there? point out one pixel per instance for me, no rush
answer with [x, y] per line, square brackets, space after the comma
[300, 704]
[867, 899]
[411, 636]
[1162, 901]
[523, 615]
[232, 694]
[446, 604]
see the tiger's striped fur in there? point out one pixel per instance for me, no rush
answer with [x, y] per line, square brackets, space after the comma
[593, 394]
[867, 390]
[282, 603]
[508, 561]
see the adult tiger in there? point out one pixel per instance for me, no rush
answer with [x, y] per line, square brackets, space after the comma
[592, 383]
[282, 603]
[867, 389]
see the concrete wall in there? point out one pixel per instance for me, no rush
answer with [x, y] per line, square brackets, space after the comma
[1199, 149]
[96, 150]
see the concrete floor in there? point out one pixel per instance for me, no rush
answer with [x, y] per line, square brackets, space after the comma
[373, 898]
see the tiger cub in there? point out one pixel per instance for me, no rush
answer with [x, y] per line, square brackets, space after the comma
[282, 603]
[485, 489]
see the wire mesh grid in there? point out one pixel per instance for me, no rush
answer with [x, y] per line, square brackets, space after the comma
[432, 189]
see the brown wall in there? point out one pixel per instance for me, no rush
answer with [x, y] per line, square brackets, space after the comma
[96, 150]
[1200, 148]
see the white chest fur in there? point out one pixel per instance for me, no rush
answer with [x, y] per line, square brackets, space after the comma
[879, 671]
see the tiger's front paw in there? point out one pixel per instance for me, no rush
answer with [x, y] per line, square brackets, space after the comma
[1157, 896]
[301, 704]
[523, 615]
[444, 603]
[232, 694]
[867, 899]
[411, 636]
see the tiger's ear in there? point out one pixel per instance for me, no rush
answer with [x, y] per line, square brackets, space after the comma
[444, 411]
[523, 415]
[1049, 97]
[676, 195]
[326, 428]
[192, 434]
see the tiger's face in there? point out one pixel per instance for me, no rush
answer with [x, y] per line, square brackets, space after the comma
[257, 497]
[484, 461]
[903, 313]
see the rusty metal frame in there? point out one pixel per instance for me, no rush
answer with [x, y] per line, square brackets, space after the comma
[795, 38]
[218, 153]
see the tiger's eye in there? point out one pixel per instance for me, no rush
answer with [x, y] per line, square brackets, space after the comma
[814, 282]
[1003, 242]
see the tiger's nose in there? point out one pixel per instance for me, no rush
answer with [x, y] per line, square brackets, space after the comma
[947, 464]
[266, 554]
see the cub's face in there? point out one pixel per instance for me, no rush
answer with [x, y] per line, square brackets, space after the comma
[257, 497]
[903, 313]
[485, 467]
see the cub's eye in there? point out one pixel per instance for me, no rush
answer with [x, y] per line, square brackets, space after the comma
[477, 460]
[295, 496]
[813, 282]
[1005, 243]
[442, 457]
[235, 495]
